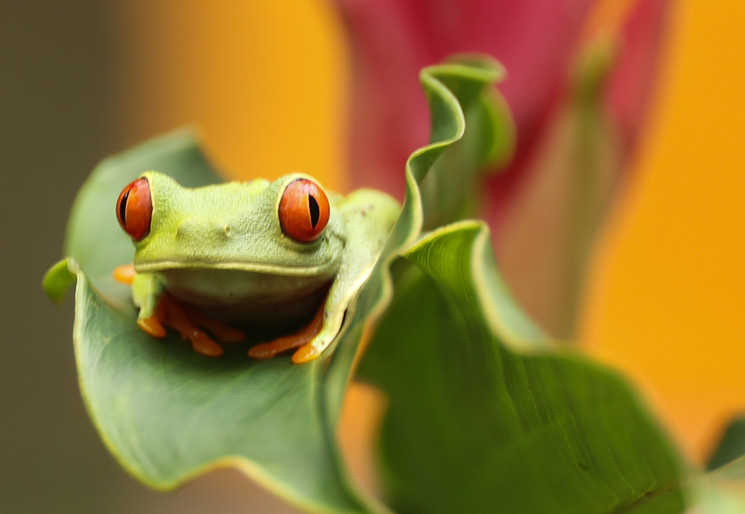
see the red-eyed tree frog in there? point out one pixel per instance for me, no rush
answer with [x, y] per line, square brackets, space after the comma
[259, 252]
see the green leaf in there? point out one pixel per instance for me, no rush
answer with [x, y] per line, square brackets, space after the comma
[451, 189]
[58, 280]
[731, 446]
[168, 414]
[484, 414]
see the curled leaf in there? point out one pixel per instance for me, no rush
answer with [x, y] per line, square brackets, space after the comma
[484, 411]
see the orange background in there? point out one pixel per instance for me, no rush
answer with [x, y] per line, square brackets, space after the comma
[267, 84]
[264, 81]
[668, 289]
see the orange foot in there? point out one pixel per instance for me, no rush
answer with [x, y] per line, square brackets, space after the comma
[300, 339]
[187, 321]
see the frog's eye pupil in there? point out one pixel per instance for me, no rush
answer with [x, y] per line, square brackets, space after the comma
[123, 207]
[315, 212]
[134, 209]
[303, 210]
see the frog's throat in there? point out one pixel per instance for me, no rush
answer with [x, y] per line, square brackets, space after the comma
[253, 267]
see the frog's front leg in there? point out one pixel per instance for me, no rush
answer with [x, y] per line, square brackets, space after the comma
[158, 309]
[187, 321]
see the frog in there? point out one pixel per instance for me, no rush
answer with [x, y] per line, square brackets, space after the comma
[282, 253]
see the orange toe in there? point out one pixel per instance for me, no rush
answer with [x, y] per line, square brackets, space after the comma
[262, 351]
[124, 274]
[305, 353]
[201, 343]
[152, 326]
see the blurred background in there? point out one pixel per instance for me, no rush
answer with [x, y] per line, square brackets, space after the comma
[268, 85]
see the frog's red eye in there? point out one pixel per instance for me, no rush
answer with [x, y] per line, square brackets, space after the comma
[303, 210]
[135, 208]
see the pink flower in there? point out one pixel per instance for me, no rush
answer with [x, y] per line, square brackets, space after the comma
[553, 52]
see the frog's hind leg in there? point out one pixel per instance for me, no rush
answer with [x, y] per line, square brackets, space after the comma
[297, 339]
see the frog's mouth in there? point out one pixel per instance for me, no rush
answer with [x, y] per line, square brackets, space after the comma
[195, 266]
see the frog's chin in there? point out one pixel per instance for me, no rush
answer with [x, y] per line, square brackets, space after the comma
[269, 313]
[239, 295]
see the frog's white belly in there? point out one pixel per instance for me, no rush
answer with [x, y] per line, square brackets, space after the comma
[237, 295]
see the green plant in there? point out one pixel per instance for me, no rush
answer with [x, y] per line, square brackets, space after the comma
[485, 412]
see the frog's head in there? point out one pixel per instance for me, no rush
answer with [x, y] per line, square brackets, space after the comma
[286, 227]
